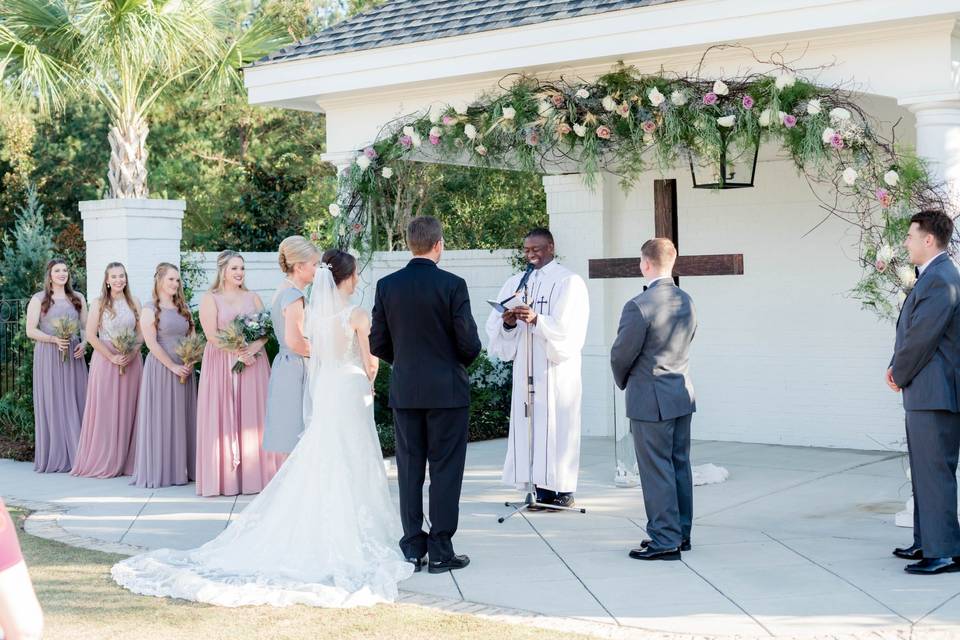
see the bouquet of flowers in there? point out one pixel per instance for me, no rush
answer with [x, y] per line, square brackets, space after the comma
[65, 328]
[243, 330]
[125, 342]
[190, 350]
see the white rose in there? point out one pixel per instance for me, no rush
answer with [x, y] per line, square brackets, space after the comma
[470, 131]
[720, 88]
[648, 138]
[609, 103]
[679, 98]
[781, 115]
[765, 117]
[436, 132]
[727, 121]
[334, 209]
[583, 94]
[435, 113]
[460, 108]
[387, 173]
[839, 114]
[892, 178]
[907, 275]
[827, 134]
[656, 98]
[886, 253]
[813, 107]
[509, 113]
[580, 130]
[850, 176]
[408, 131]
[363, 162]
[785, 80]
[416, 139]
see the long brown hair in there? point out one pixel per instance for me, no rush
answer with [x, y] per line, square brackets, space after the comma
[67, 288]
[223, 259]
[179, 299]
[106, 296]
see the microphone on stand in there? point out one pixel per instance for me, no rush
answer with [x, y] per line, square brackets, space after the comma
[526, 276]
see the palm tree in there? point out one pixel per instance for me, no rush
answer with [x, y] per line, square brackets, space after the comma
[126, 54]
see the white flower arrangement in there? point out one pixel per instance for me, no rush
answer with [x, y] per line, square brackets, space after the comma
[813, 107]
[582, 93]
[363, 162]
[892, 178]
[679, 98]
[727, 121]
[850, 176]
[656, 98]
[765, 118]
[720, 88]
[886, 253]
[907, 276]
[387, 173]
[785, 80]
[334, 209]
[609, 103]
[509, 113]
[470, 131]
[580, 130]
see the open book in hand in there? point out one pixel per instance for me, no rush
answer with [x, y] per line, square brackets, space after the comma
[514, 301]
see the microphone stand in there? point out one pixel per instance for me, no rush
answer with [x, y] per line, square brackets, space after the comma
[530, 500]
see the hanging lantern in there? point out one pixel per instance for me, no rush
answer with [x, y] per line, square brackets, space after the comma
[734, 168]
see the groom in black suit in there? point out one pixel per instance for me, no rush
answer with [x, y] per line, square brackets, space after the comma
[423, 326]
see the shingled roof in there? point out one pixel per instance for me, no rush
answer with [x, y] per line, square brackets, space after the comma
[406, 21]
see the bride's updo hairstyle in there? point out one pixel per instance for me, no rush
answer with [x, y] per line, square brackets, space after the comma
[295, 249]
[342, 264]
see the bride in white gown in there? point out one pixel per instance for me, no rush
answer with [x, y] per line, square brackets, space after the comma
[324, 532]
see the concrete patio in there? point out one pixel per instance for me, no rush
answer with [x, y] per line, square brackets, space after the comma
[795, 544]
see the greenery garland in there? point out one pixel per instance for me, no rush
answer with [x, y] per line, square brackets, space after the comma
[627, 123]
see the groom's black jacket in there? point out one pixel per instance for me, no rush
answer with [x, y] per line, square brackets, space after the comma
[423, 326]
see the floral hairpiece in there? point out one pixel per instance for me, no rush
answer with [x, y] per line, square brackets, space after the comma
[326, 265]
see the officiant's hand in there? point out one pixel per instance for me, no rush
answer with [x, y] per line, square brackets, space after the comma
[890, 381]
[526, 314]
[509, 318]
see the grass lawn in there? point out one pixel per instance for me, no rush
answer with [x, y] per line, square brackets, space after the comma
[81, 602]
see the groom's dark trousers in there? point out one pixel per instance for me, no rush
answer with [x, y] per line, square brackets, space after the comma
[423, 326]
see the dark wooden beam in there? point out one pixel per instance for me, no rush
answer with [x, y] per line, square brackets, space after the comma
[665, 223]
[730, 264]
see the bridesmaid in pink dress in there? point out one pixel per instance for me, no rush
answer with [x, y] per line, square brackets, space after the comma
[107, 437]
[231, 407]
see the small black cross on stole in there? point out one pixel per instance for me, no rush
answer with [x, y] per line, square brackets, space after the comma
[542, 301]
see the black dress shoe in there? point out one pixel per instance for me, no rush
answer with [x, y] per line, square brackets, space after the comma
[913, 552]
[647, 553]
[442, 566]
[684, 544]
[562, 500]
[933, 566]
[417, 563]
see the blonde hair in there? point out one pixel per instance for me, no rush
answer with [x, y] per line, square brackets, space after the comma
[179, 299]
[222, 261]
[295, 249]
[660, 252]
[106, 299]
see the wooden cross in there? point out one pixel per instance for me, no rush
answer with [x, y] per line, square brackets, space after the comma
[665, 226]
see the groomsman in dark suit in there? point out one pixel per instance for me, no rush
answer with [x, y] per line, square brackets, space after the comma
[926, 367]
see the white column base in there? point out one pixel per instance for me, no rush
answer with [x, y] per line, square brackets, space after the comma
[140, 233]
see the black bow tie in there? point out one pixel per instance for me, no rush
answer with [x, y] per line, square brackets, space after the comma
[916, 271]
[645, 287]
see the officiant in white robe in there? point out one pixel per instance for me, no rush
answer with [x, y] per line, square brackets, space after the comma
[557, 313]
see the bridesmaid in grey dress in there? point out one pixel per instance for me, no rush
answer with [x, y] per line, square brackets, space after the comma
[166, 429]
[284, 421]
[59, 371]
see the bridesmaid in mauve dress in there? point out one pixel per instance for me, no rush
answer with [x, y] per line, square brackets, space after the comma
[107, 438]
[231, 406]
[59, 371]
[167, 408]
[288, 377]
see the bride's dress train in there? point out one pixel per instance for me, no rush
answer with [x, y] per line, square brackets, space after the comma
[324, 532]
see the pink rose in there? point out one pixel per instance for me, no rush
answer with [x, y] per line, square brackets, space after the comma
[434, 139]
[623, 109]
[648, 126]
[881, 266]
[563, 128]
[710, 99]
[747, 102]
[790, 121]
[557, 100]
[406, 141]
[884, 197]
[448, 120]
[836, 141]
[370, 152]
[357, 227]
[533, 138]
[603, 132]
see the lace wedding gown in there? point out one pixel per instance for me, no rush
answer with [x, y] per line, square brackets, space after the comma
[324, 532]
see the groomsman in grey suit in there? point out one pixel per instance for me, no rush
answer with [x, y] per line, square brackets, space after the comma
[650, 359]
[926, 367]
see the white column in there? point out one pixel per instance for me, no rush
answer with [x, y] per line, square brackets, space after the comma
[140, 233]
[938, 140]
[577, 220]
